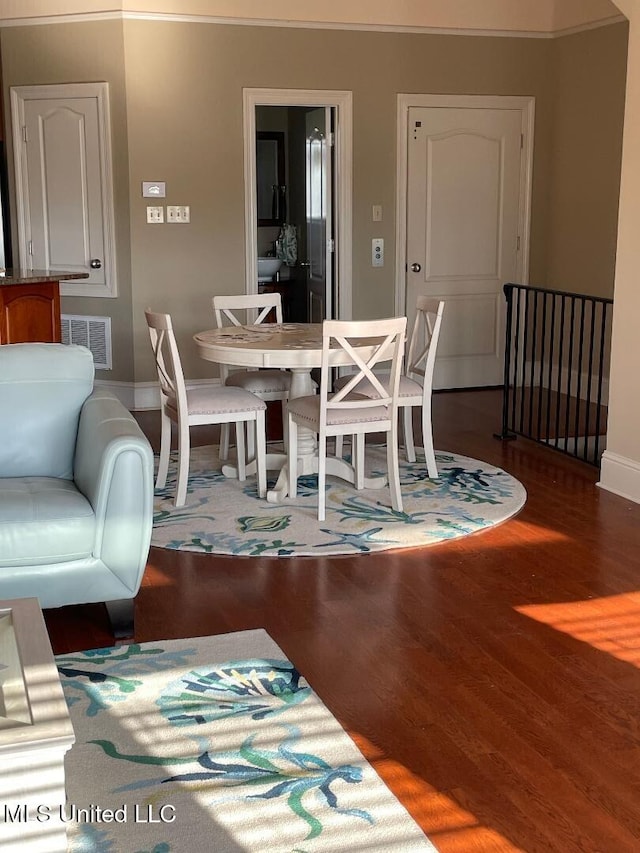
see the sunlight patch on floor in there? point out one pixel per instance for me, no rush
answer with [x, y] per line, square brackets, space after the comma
[609, 624]
[443, 820]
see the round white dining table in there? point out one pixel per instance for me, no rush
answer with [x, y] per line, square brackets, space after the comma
[296, 347]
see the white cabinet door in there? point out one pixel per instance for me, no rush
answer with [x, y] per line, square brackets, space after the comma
[463, 203]
[63, 178]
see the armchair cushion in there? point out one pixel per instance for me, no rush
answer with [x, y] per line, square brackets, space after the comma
[43, 520]
[42, 390]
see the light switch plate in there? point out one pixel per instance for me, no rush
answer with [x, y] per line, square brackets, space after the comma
[178, 213]
[376, 213]
[155, 215]
[153, 189]
[377, 252]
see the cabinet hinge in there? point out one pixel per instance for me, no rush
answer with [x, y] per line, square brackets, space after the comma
[30, 247]
[25, 138]
[521, 141]
[518, 243]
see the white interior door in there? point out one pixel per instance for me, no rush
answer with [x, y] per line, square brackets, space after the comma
[319, 213]
[463, 220]
[64, 183]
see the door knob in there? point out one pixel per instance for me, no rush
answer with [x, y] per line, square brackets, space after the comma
[415, 267]
[95, 263]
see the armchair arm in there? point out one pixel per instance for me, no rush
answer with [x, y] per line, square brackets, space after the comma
[113, 468]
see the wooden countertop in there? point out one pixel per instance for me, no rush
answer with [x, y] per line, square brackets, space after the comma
[22, 276]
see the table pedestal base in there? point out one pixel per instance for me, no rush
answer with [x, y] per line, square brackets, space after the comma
[309, 465]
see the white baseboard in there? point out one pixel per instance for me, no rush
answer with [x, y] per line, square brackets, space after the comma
[138, 396]
[620, 476]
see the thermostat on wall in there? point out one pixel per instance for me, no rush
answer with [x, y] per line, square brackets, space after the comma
[153, 189]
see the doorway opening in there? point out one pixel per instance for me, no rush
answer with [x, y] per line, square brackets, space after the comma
[297, 148]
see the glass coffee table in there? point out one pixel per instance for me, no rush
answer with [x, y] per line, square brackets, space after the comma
[35, 734]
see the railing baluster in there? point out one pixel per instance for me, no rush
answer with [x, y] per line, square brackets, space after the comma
[525, 323]
[572, 326]
[592, 332]
[534, 340]
[550, 370]
[579, 378]
[516, 348]
[603, 339]
[563, 305]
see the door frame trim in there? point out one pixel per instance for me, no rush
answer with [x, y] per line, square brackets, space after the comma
[342, 102]
[526, 105]
[100, 91]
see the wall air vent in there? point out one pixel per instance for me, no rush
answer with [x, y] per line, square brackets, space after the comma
[91, 332]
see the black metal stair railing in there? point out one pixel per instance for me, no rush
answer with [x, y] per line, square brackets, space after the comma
[556, 366]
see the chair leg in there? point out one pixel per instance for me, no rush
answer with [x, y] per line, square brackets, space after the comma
[261, 454]
[285, 425]
[292, 458]
[393, 470]
[183, 462]
[322, 476]
[357, 458]
[427, 439]
[251, 439]
[224, 441]
[165, 450]
[242, 452]
[407, 423]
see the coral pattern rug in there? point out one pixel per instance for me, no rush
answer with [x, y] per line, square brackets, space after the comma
[223, 516]
[218, 745]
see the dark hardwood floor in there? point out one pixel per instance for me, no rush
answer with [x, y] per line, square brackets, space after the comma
[493, 682]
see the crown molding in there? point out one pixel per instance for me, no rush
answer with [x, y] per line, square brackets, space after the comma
[313, 25]
[592, 25]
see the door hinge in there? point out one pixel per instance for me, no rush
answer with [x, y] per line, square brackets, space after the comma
[331, 139]
[331, 244]
[521, 141]
[30, 247]
[25, 138]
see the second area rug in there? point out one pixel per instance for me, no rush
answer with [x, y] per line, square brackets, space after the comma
[216, 745]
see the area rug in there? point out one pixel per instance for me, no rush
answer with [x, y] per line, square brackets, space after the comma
[224, 516]
[217, 745]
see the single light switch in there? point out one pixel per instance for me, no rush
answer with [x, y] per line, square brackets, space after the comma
[376, 213]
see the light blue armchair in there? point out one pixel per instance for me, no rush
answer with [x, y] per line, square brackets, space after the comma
[76, 485]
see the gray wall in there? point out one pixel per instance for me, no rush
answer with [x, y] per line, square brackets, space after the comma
[181, 122]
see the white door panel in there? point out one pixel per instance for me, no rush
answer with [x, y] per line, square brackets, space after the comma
[463, 206]
[64, 183]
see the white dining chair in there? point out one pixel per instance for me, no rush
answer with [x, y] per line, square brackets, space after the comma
[416, 382]
[186, 408]
[264, 383]
[347, 411]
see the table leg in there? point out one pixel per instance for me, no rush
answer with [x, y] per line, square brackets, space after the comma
[302, 386]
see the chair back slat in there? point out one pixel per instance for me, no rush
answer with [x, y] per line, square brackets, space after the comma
[251, 309]
[167, 358]
[421, 355]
